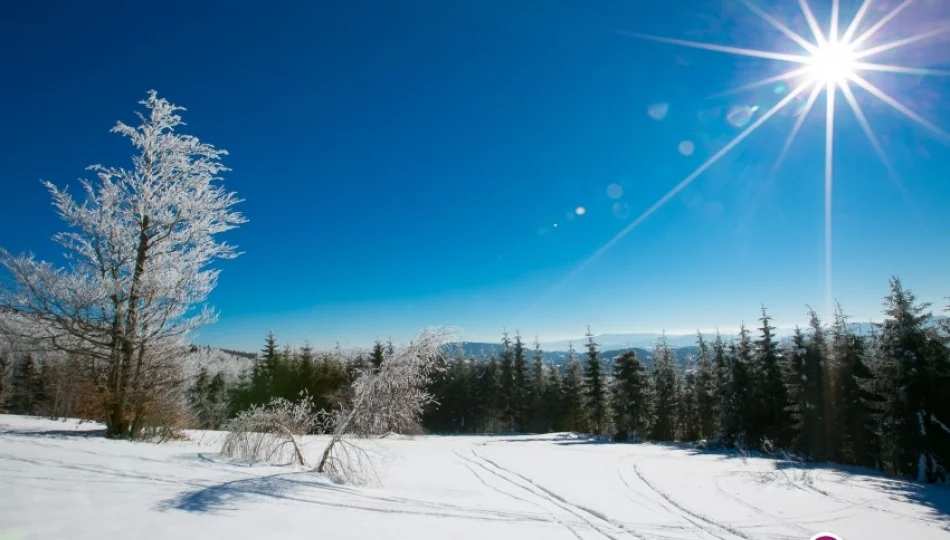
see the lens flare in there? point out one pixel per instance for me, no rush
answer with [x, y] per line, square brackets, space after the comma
[830, 62]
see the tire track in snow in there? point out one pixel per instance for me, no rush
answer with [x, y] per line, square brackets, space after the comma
[587, 515]
[688, 514]
[468, 462]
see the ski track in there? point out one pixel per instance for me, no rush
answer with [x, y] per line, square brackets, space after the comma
[593, 519]
[710, 525]
[526, 488]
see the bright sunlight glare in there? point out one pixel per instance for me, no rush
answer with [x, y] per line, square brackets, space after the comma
[830, 62]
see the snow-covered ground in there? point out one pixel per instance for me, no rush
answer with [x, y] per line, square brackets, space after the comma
[60, 479]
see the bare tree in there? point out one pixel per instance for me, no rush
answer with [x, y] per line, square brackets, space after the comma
[390, 399]
[266, 432]
[138, 274]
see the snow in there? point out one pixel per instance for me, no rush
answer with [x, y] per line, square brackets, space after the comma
[61, 479]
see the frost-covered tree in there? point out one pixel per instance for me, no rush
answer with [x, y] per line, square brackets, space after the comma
[595, 389]
[390, 400]
[630, 397]
[913, 377]
[139, 250]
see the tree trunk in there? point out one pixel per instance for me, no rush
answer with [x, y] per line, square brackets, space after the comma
[119, 424]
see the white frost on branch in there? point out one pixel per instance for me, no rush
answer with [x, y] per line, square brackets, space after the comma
[138, 253]
[391, 399]
[271, 432]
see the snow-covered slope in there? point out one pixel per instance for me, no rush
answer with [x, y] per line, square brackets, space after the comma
[62, 480]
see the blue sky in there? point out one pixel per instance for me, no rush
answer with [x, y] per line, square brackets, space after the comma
[404, 163]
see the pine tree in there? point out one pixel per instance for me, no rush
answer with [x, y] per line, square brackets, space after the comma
[857, 444]
[912, 374]
[553, 397]
[704, 389]
[630, 397]
[804, 392]
[573, 404]
[379, 354]
[4, 365]
[594, 388]
[818, 389]
[540, 415]
[737, 392]
[488, 394]
[521, 387]
[687, 408]
[508, 390]
[664, 389]
[266, 369]
[462, 391]
[772, 402]
[722, 374]
[26, 388]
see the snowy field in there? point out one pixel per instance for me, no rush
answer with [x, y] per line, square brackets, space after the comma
[60, 479]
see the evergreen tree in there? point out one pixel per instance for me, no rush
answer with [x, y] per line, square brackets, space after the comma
[461, 391]
[270, 354]
[573, 403]
[772, 402]
[540, 415]
[595, 388]
[631, 402]
[912, 375]
[722, 374]
[552, 397]
[378, 354]
[687, 408]
[818, 389]
[4, 365]
[208, 399]
[520, 384]
[704, 389]
[856, 442]
[664, 388]
[509, 401]
[26, 388]
[737, 392]
[488, 395]
[804, 396]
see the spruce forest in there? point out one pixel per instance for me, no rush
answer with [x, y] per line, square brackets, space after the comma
[824, 393]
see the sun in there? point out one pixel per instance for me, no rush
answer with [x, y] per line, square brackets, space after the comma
[832, 64]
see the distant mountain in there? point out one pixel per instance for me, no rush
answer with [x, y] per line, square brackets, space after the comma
[559, 358]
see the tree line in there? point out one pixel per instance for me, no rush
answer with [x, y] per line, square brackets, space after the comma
[825, 393]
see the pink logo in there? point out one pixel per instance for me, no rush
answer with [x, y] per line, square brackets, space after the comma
[825, 536]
